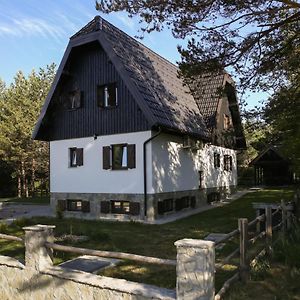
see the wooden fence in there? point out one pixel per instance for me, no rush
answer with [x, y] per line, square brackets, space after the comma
[244, 227]
[248, 233]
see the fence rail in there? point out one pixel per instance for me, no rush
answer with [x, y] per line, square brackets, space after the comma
[11, 237]
[121, 255]
[243, 250]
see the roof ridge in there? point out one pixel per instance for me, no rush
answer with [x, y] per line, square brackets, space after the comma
[101, 20]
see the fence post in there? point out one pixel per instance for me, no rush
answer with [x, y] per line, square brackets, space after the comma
[37, 255]
[283, 215]
[269, 231]
[258, 227]
[195, 269]
[244, 265]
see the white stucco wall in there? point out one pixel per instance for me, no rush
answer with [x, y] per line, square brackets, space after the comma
[176, 168]
[91, 177]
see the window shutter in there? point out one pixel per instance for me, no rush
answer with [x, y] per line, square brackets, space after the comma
[131, 156]
[112, 94]
[79, 156]
[62, 205]
[134, 208]
[77, 98]
[100, 95]
[193, 202]
[85, 206]
[178, 204]
[105, 205]
[160, 207]
[106, 157]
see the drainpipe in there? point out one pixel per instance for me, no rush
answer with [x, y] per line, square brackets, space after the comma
[145, 168]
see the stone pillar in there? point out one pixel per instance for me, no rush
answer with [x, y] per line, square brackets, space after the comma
[37, 255]
[195, 270]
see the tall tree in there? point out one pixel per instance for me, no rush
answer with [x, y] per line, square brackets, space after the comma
[20, 105]
[282, 112]
[258, 39]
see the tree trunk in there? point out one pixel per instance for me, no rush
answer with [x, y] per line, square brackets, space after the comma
[33, 177]
[23, 175]
[19, 186]
[26, 188]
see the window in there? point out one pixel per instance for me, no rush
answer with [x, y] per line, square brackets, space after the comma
[164, 206]
[182, 203]
[74, 205]
[107, 95]
[227, 163]
[227, 122]
[76, 157]
[119, 157]
[217, 157]
[120, 207]
[78, 205]
[72, 99]
[213, 197]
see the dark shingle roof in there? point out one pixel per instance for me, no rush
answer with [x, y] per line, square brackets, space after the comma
[207, 90]
[169, 101]
[154, 83]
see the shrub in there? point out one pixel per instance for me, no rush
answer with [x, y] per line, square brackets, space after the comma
[3, 228]
[21, 222]
[59, 212]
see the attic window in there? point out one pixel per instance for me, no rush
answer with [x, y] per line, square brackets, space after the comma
[72, 99]
[107, 95]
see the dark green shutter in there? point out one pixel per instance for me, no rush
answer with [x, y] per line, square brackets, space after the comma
[134, 208]
[100, 95]
[131, 156]
[62, 205]
[79, 156]
[106, 157]
[105, 205]
[85, 206]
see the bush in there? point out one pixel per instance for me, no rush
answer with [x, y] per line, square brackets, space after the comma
[287, 249]
[3, 228]
[21, 222]
[59, 212]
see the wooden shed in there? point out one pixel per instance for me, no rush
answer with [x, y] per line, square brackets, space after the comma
[272, 168]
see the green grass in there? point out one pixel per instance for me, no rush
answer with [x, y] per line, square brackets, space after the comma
[30, 200]
[156, 240]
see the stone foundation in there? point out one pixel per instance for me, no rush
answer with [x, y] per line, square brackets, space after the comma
[96, 201]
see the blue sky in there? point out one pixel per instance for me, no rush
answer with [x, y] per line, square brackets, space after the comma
[34, 33]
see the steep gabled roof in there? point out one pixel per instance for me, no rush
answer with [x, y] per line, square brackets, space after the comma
[151, 79]
[273, 152]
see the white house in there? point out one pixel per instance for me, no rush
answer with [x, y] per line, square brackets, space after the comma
[128, 140]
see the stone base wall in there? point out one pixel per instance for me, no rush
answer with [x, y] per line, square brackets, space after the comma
[95, 202]
[20, 283]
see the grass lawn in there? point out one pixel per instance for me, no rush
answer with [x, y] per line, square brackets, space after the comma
[30, 200]
[151, 240]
